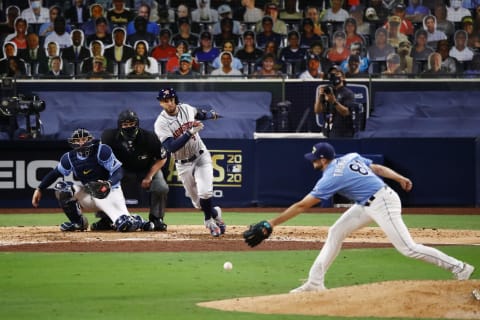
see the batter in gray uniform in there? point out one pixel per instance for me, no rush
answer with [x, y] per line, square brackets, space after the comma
[177, 128]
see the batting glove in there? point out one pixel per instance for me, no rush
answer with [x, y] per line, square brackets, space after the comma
[196, 128]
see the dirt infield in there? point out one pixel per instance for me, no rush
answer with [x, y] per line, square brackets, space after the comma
[197, 238]
[408, 299]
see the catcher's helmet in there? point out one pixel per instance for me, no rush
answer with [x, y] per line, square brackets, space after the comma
[81, 141]
[128, 123]
[167, 93]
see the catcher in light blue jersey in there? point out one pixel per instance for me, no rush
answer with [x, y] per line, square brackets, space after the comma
[98, 189]
[358, 179]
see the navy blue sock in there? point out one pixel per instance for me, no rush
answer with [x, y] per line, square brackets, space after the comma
[207, 208]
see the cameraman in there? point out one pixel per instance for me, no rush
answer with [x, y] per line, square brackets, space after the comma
[335, 103]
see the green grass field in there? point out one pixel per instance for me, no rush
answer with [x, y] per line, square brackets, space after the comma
[168, 285]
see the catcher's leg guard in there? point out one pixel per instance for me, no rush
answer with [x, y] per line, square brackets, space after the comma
[132, 223]
[142, 224]
[64, 194]
[125, 223]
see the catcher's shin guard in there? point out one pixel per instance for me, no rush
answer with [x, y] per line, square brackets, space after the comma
[64, 193]
[132, 223]
[142, 224]
[125, 223]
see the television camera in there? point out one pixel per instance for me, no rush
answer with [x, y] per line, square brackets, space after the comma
[14, 109]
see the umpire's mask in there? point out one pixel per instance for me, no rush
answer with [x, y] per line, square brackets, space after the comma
[128, 123]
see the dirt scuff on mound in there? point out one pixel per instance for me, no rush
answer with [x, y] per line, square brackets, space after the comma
[407, 299]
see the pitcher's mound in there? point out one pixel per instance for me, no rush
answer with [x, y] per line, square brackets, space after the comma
[449, 299]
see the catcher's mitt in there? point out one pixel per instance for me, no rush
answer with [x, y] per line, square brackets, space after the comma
[98, 189]
[257, 233]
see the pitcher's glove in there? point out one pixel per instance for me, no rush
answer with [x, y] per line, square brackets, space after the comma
[98, 189]
[257, 233]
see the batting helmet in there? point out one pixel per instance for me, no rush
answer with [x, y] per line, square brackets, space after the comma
[81, 141]
[128, 123]
[167, 93]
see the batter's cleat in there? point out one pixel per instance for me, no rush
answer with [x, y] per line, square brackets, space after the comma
[220, 223]
[104, 224]
[213, 227]
[308, 287]
[71, 226]
[465, 273]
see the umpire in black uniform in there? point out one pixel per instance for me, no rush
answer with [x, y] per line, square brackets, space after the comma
[143, 157]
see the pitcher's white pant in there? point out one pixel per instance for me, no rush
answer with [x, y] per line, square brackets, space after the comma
[113, 205]
[385, 210]
[197, 178]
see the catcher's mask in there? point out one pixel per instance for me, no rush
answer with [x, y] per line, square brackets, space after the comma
[128, 123]
[81, 141]
[167, 93]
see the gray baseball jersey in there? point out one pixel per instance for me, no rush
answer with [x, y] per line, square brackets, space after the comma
[167, 126]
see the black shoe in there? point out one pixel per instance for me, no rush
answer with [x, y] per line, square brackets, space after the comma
[148, 226]
[104, 224]
[159, 225]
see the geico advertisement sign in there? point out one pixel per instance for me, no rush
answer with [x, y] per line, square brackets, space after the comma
[22, 174]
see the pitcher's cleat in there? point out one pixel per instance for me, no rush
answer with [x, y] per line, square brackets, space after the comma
[308, 287]
[465, 273]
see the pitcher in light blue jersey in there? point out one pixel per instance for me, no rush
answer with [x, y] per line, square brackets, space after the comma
[358, 179]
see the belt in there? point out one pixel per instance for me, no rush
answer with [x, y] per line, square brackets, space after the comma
[372, 198]
[192, 158]
[369, 201]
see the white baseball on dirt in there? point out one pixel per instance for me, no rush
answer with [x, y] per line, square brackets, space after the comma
[228, 266]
